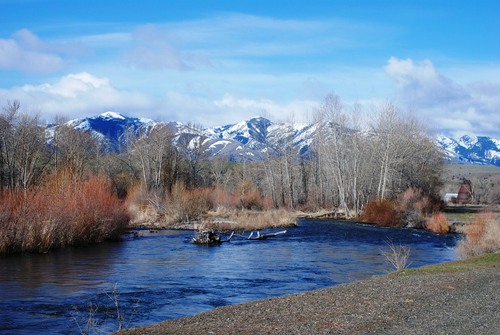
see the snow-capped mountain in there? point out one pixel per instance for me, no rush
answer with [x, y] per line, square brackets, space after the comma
[258, 137]
[471, 149]
[110, 127]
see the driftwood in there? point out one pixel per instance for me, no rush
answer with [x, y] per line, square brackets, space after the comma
[210, 237]
[259, 236]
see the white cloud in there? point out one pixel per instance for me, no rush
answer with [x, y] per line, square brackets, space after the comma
[78, 95]
[446, 105]
[421, 84]
[83, 94]
[25, 52]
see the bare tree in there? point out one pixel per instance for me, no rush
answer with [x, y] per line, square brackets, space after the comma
[22, 147]
[75, 150]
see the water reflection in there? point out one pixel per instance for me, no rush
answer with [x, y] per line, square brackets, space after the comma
[162, 275]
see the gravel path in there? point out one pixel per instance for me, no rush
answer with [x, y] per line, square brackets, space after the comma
[462, 302]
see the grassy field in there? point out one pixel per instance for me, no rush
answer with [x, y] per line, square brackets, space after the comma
[487, 260]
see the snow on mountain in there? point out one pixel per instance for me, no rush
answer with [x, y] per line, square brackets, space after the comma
[110, 127]
[471, 149]
[258, 137]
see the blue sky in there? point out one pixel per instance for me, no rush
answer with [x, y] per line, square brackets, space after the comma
[218, 62]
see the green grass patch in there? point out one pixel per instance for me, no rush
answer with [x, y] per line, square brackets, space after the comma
[484, 261]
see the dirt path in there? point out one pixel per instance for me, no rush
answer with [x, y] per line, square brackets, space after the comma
[462, 301]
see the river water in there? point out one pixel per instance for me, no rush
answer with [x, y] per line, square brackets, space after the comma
[161, 275]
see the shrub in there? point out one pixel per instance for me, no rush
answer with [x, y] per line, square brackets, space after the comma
[438, 223]
[482, 236]
[63, 213]
[397, 256]
[253, 200]
[382, 212]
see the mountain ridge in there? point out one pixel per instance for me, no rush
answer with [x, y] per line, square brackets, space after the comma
[258, 137]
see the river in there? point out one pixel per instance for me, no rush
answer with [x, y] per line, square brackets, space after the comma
[161, 275]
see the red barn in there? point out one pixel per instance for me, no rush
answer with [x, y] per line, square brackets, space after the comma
[465, 193]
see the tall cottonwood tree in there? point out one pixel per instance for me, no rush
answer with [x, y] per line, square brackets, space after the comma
[408, 157]
[153, 154]
[354, 163]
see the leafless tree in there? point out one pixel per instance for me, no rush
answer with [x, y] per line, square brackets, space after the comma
[22, 148]
[75, 150]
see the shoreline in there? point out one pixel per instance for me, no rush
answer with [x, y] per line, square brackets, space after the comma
[454, 298]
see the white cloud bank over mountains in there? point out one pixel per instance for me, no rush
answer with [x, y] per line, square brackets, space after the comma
[448, 106]
[183, 72]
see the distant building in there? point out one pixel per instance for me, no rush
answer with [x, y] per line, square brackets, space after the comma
[450, 198]
[465, 193]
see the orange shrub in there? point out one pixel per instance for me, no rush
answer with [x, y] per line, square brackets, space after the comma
[482, 236]
[64, 213]
[381, 212]
[438, 223]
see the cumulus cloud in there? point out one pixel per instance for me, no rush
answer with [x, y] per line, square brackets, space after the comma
[420, 83]
[26, 52]
[78, 95]
[448, 106]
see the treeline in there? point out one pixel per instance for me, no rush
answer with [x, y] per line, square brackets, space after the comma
[53, 196]
[353, 160]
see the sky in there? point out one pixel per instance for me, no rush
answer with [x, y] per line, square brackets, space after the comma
[219, 62]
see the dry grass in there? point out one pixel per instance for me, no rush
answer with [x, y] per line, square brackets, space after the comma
[185, 206]
[482, 236]
[248, 220]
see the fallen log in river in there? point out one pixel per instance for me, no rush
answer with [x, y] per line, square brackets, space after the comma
[259, 236]
[210, 237]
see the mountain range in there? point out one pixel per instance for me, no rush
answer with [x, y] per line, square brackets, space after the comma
[258, 137]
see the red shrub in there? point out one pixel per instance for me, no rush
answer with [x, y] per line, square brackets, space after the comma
[63, 213]
[381, 212]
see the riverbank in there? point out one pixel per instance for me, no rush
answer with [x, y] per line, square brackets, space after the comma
[451, 298]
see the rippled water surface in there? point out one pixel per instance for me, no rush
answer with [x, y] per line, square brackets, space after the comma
[162, 275]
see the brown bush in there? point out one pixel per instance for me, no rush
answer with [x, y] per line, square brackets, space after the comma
[63, 213]
[482, 236]
[253, 200]
[438, 223]
[224, 199]
[381, 212]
